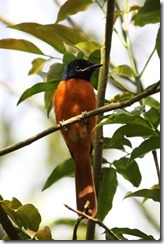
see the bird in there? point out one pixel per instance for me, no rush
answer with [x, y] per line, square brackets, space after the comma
[75, 95]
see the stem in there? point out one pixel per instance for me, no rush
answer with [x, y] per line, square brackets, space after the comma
[154, 152]
[130, 51]
[120, 37]
[141, 73]
[129, 48]
[76, 228]
[101, 6]
[103, 77]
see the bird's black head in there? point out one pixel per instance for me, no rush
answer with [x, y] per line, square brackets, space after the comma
[80, 69]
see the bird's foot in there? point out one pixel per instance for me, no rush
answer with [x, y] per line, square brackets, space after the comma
[84, 114]
[62, 124]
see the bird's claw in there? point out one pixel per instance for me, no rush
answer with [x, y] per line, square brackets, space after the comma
[62, 124]
[84, 114]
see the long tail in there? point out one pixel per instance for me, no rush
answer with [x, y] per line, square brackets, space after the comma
[85, 189]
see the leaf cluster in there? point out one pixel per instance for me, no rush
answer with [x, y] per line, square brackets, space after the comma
[25, 221]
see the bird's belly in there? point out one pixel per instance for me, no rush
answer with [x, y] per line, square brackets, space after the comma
[77, 132]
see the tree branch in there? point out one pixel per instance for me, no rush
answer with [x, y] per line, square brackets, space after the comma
[109, 107]
[103, 78]
[96, 221]
[7, 225]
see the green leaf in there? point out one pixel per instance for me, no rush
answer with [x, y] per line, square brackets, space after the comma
[80, 54]
[39, 31]
[153, 194]
[64, 169]
[118, 139]
[107, 189]
[145, 147]
[153, 116]
[6, 204]
[123, 70]
[151, 102]
[29, 216]
[121, 83]
[22, 215]
[133, 131]
[156, 186]
[129, 172]
[94, 58]
[24, 236]
[68, 57]
[88, 46]
[71, 7]
[148, 14]
[121, 97]
[20, 45]
[54, 34]
[13, 204]
[44, 234]
[37, 64]
[37, 88]
[42, 74]
[55, 73]
[49, 107]
[158, 43]
[124, 118]
[94, 78]
[10, 208]
[48, 99]
[117, 142]
[67, 34]
[128, 231]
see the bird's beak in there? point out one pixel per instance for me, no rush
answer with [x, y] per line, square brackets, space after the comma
[92, 67]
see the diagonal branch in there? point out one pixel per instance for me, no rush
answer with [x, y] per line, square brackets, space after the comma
[112, 106]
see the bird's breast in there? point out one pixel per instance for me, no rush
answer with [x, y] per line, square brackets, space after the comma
[72, 97]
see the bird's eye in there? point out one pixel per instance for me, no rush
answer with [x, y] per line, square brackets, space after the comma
[77, 68]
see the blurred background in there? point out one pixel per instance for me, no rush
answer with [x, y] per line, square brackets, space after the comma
[23, 173]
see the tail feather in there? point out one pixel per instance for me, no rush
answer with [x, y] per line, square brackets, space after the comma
[85, 190]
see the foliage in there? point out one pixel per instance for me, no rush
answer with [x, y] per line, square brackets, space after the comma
[141, 121]
[25, 217]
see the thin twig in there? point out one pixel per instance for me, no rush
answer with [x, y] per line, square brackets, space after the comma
[76, 228]
[80, 218]
[5, 21]
[112, 106]
[96, 221]
[154, 152]
[147, 62]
